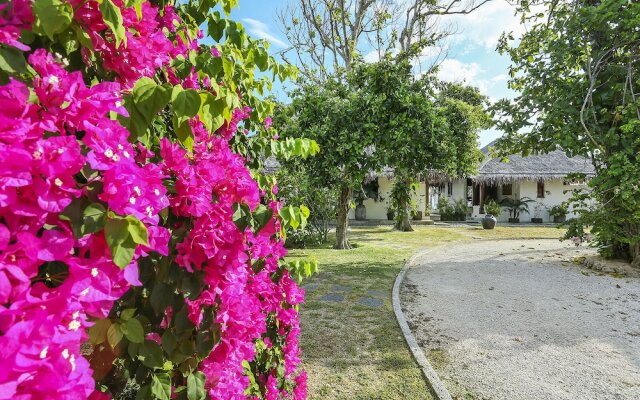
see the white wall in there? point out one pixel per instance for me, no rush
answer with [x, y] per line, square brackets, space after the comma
[554, 195]
[378, 209]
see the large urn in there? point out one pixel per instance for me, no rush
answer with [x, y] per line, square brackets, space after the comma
[489, 222]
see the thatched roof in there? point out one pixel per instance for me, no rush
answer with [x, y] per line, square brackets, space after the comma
[539, 167]
[433, 176]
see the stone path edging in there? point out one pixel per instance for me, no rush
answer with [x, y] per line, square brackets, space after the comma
[429, 373]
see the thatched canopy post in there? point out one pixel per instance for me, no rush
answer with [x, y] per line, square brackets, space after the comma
[482, 198]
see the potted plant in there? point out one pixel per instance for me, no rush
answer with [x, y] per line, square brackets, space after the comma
[516, 206]
[559, 213]
[537, 212]
[492, 207]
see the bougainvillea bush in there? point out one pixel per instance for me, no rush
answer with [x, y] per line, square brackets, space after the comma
[141, 250]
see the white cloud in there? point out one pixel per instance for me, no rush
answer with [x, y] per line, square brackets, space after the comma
[484, 26]
[500, 78]
[262, 31]
[452, 70]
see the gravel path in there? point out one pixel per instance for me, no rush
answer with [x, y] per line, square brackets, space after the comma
[514, 320]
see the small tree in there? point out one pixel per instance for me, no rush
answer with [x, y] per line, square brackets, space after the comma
[427, 126]
[336, 116]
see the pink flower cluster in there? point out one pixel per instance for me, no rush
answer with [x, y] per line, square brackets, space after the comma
[14, 17]
[50, 281]
[147, 48]
[60, 148]
[244, 298]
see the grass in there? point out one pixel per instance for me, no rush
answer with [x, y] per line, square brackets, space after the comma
[357, 352]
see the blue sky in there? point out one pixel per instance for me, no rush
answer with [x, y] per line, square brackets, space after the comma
[471, 52]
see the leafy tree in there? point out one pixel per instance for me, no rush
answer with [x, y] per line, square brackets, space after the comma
[426, 126]
[384, 117]
[334, 115]
[579, 90]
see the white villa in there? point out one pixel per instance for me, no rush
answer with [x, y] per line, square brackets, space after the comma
[542, 178]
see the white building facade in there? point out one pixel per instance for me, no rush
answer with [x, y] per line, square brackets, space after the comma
[547, 180]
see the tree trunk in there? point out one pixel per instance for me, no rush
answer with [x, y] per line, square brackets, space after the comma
[342, 222]
[633, 230]
[403, 223]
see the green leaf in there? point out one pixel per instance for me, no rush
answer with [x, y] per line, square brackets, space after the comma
[94, 218]
[228, 68]
[161, 387]
[116, 231]
[114, 335]
[12, 60]
[74, 213]
[127, 314]
[113, 19]
[212, 111]
[183, 132]
[150, 354]
[216, 26]
[98, 332]
[120, 242]
[241, 216]
[53, 16]
[123, 253]
[195, 386]
[262, 59]
[186, 104]
[133, 330]
[261, 216]
[149, 99]
[228, 5]
[137, 230]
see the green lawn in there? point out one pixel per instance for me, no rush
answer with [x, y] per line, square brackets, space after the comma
[353, 351]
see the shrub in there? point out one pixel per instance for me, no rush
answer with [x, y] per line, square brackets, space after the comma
[560, 210]
[492, 207]
[452, 211]
[128, 226]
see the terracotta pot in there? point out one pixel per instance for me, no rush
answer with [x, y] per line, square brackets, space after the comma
[361, 212]
[514, 220]
[417, 216]
[536, 220]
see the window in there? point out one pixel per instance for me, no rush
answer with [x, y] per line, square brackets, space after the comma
[507, 190]
[450, 189]
[541, 189]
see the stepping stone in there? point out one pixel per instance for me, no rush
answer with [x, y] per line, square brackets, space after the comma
[377, 293]
[333, 297]
[371, 302]
[338, 288]
[310, 287]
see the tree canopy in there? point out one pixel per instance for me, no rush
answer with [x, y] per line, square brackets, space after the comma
[579, 89]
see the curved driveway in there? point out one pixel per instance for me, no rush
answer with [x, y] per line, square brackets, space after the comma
[514, 320]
